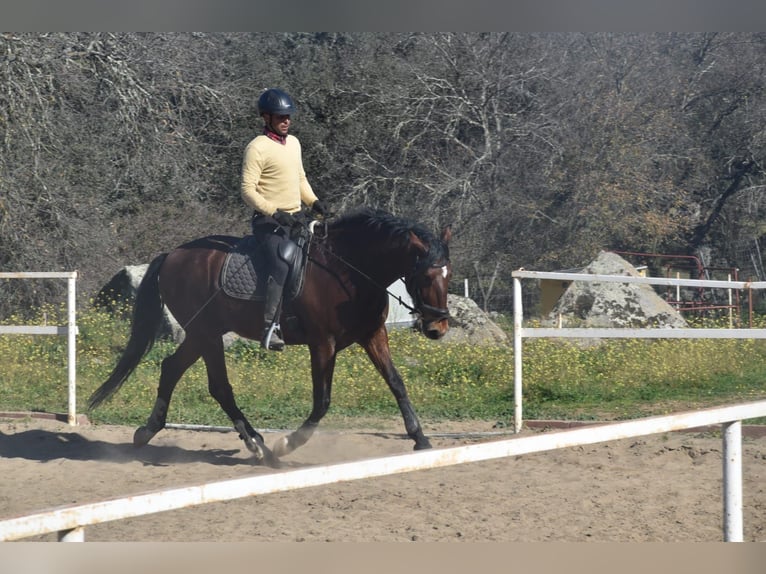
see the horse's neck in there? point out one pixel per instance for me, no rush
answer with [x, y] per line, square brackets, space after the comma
[383, 265]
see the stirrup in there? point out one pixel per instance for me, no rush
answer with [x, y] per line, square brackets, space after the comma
[271, 339]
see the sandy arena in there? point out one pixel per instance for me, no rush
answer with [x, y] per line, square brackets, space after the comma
[662, 488]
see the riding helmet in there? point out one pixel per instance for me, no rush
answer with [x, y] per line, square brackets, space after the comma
[275, 101]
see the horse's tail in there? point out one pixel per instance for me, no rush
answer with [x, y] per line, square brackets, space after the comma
[147, 316]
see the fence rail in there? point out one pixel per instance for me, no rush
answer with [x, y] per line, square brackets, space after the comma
[520, 332]
[70, 522]
[70, 330]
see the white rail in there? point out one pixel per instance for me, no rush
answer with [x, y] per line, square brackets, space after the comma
[709, 283]
[70, 330]
[70, 522]
[520, 331]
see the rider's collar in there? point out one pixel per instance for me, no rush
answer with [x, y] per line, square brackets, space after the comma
[274, 136]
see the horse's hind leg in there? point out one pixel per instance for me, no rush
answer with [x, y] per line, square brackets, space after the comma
[322, 368]
[173, 367]
[220, 389]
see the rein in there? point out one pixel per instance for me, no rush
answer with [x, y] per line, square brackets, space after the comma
[363, 274]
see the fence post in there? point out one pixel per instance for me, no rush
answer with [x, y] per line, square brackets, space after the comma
[73, 535]
[70, 330]
[72, 348]
[732, 482]
[518, 318]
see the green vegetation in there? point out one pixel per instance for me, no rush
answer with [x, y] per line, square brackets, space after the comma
[617, 379]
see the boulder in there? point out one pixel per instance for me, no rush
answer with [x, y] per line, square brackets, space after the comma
[593, 304]
[119, 295]
[469, 324]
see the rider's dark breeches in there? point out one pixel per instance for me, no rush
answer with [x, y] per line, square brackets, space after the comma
[272, 236]
[278, 268]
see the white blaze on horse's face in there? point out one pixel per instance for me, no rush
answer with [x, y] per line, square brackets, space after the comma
[444, 271]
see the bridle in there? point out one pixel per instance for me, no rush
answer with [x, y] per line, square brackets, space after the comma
[422, 308]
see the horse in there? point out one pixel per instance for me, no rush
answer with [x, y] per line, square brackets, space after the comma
[351, 261]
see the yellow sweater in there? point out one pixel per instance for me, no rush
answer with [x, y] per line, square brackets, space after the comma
[273, 176]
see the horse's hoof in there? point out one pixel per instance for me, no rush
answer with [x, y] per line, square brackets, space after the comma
[422, 445]
[281, 447]
[262, 455]
[270, 460]
[257, 451]
[142, 436]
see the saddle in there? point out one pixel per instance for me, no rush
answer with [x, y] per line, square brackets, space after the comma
[245, 269]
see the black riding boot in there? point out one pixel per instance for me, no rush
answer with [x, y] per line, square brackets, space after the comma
[271, 339]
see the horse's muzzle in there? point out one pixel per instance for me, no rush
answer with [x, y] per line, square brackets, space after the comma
[435, 329]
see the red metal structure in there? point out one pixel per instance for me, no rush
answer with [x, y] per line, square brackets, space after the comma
[699, 300]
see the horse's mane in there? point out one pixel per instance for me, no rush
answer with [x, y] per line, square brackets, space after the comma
[396, 228]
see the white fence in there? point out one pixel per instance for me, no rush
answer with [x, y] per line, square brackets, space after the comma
[520, 331]
[69, 522]
[70, 330]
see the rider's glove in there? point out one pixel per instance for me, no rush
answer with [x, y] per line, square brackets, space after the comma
[283, 218]
[319, 207]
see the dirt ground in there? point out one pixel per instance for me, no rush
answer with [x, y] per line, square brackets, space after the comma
[662, 488]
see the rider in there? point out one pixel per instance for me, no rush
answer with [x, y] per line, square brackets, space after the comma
[274, 184]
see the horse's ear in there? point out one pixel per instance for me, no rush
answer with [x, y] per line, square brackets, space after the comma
[447, 233]
[417, 244]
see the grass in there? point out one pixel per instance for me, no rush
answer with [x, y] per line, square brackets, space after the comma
[617, 379]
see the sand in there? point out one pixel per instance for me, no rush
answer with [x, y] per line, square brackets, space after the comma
[662, 488]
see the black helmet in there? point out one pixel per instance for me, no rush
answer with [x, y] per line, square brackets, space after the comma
[275, 101]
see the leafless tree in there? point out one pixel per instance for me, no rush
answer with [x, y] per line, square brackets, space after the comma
[540, 149]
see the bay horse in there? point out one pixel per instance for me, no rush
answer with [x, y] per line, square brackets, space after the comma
[343, 300]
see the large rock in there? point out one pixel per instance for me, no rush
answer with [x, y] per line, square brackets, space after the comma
[469, 324]
[593, 304]
[119, 295]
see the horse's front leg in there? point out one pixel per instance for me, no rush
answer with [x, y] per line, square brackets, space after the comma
[322, 369]
[380, 354]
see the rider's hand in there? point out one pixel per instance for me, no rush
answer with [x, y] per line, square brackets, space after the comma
[319, 208]
[283, 218]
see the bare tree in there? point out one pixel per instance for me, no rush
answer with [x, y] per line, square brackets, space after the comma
[540, 149]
